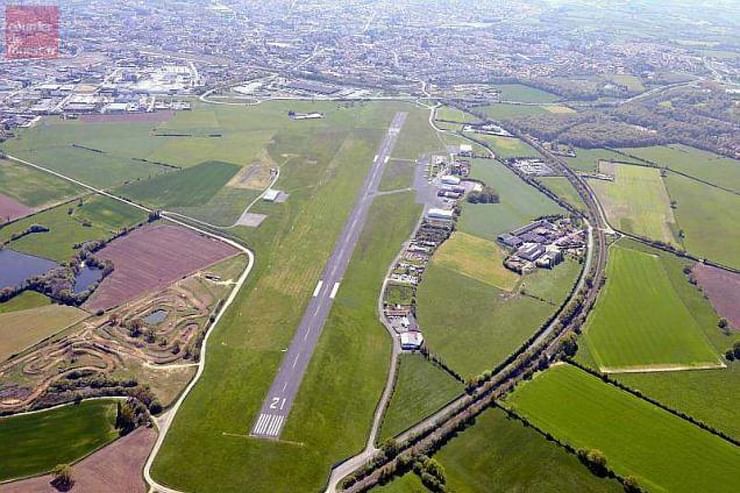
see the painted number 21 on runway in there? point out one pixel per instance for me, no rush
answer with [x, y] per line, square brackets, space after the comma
[277, 403]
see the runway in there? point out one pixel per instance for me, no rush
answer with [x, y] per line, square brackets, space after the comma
[279, 400]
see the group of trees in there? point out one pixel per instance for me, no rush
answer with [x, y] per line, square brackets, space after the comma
[129, 415]
[485, 196]
[733, 353]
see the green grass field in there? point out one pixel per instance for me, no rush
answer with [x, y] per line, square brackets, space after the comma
[508, 147]
[713, 396]
[408, 483]
[704, 165]
[588, 159]
[641, 321]
[474, 325]
[477, 258]
[63, 435]
[56, 244]
[665, 452]
[20, 329]
[519, 202]
[399, 294]
[561, 187]
[421, 389]
[637, 202]
[505, 111]
[108, 213]
[524, 94]
[34, 188]
[709, 218]
[24, 301]
[397, 175]
[190, 187]
[499, 454]
[224, 208]
[631, 82]
[333, 156]
[450, 114]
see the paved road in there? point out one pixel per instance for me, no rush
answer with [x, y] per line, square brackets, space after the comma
[276, 407]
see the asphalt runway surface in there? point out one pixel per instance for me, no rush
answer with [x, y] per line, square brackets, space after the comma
[276, 406]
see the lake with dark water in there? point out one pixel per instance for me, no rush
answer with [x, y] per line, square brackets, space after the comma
[86, 277]
[16, 267]
[156, 317]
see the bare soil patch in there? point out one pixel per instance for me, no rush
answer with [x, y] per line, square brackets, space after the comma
[252, 177]
[11, 209]
[723, 289]
[116, 468]
[151, 258]
[155, 117]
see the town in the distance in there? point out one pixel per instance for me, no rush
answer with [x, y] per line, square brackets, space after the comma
[411, 246]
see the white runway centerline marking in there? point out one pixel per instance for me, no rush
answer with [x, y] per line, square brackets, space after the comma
[318, 289]
[295, 361]
[334, 290]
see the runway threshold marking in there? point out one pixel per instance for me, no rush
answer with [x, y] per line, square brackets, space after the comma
[334, 290]
[318, 289]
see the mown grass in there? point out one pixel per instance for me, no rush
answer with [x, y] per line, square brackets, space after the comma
[34, 188]
[42, 440]
[640, 321]
[637, 202]
[421, 389]
[20, 329]
[664, 452]
[192, 186]
[519, 202]
[24, 301]
[499, 454]
[399, 294]
[707, 166]
[476, 258]
[408, 483]
[292, 247]
[709, 218]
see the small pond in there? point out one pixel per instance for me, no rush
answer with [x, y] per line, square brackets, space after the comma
[16, 267]
[87, 276]
[156, 317]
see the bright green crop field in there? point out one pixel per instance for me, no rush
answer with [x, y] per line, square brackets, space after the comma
[24, 301]
[499, 454]
[505, 111]
[108, 213]
[640, 321]
[519, 202]
[42, 440]
[421, 389]
[508, 147]
[190, 187]
[664, 452]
